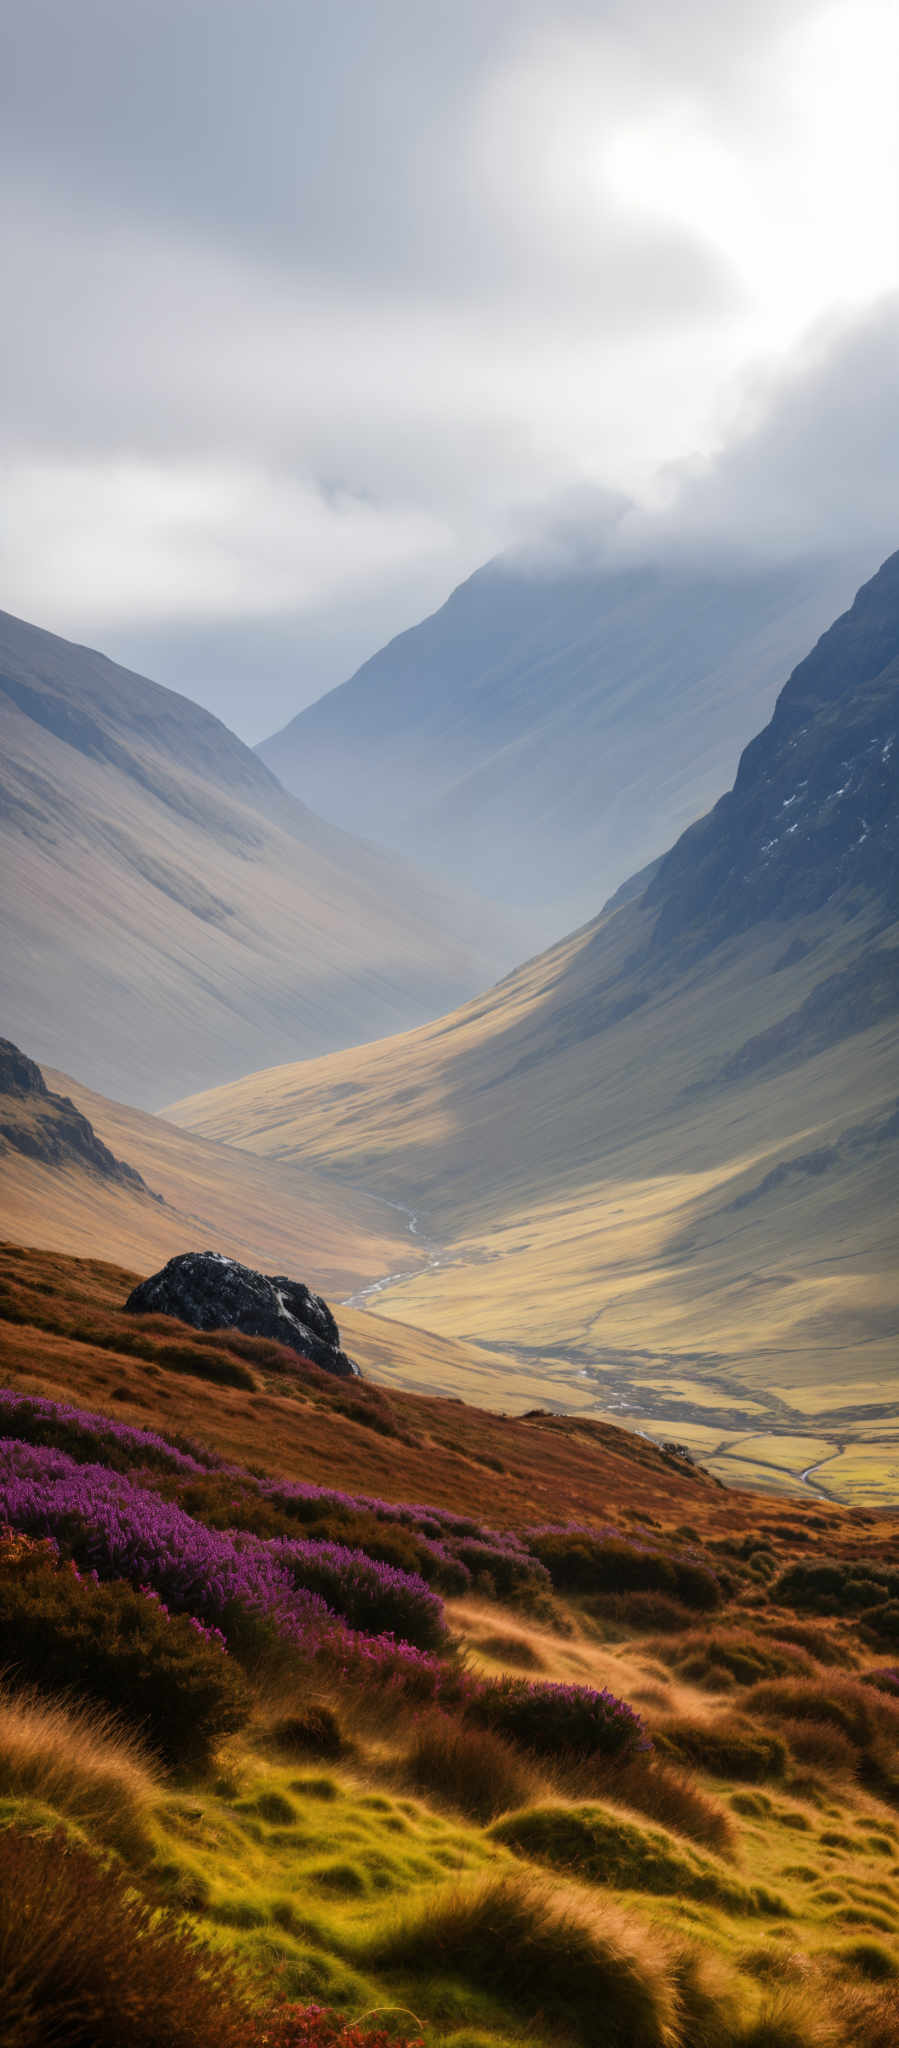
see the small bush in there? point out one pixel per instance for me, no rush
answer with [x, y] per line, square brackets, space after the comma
[820, 1745]
[858, 1711]
[835, 1586]
[312, 1730]
[882, 1622]
[375, 1598]
[725, 1749]
[85, 1962]
[642, 1612]
[473, 1769]
[717, 1661]
[120, 1648]
[78, 1762]
[885, 1681]
[559, 1720]
[579, 1561]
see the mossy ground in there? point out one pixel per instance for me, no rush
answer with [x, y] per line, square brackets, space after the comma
[332, 1881]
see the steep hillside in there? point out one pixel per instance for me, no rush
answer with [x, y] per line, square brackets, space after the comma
[63, 1189]
[81, 1174]
[545, 734]
[36, 1124]
[169, 914]
[662, 1160]
[430, 1727]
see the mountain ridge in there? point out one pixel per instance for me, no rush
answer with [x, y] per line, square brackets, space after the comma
[579, 1140]
[555, 730]
[169, 909]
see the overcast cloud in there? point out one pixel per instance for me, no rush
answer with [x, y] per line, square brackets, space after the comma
[310, 308]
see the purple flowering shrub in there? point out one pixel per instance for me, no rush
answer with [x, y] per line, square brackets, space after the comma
[167, 1674]
[375, 1598]
[110, 1524]
[559, 1720]
[30, 1418]
[100, 1503]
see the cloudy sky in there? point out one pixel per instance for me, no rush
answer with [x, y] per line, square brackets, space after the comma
[312, 305]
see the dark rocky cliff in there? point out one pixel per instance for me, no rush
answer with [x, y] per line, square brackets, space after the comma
[49, 1128]
[814, 810]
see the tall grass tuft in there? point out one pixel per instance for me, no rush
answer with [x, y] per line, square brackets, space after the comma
[471, 1769]
[78, 1761]
[550, 1955]
[85, 1963]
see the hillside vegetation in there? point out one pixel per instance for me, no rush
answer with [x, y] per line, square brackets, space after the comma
[463, 1728]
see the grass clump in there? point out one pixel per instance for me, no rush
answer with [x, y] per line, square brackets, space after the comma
[601, 1846]
[77, 1761]
[720, 1660]
[732, 1748]
[648, 1785]
[547, 1955]
[311, 1729]
[471, 1769]
[85, 1962]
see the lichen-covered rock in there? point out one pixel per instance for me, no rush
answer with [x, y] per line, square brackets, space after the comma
[214, 1293]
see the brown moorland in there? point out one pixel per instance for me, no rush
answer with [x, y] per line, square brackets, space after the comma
[344, 1845]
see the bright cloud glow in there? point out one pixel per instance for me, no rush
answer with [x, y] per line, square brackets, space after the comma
[307, 364]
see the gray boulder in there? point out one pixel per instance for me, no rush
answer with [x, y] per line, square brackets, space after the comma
[214, 1293]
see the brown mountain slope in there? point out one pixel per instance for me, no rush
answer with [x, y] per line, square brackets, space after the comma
[665, 1155]
[276, 1216]
[169, 915]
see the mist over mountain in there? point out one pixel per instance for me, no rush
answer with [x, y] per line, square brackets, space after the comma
[170, 914]
[663, 1155]
[556, 723]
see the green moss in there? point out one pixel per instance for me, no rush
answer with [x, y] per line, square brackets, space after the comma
[596, 1844]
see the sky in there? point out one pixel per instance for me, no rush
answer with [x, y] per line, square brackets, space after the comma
[311, 306]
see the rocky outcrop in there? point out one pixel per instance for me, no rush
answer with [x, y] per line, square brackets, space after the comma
[214, 1293]
[814, 810]
[49, 1128]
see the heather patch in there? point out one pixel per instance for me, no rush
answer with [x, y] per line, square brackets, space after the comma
[86, 1436]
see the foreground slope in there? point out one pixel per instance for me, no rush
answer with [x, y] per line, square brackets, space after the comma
[473, 1729]
[549, 731]
[665, 1155]
[169, 914]
[80, 1174]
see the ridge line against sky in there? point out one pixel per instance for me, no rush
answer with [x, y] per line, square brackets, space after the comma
[311, 310]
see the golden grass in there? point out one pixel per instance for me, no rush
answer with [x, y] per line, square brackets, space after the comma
[80, 1764]
[579, 1182]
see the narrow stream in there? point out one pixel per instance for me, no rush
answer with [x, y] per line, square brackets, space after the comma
[433, 1257]
[632, 1413]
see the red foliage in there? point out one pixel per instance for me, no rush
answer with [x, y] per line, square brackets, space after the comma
[315, 2026]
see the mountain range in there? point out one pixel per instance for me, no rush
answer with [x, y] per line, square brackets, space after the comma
[170, 915]
[663, 1157]
[554, 726]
